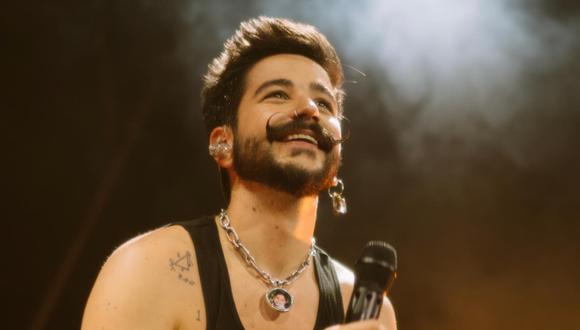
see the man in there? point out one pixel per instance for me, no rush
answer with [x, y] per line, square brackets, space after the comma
[272, 103]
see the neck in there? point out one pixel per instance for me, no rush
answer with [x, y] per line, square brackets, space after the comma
[275, 226]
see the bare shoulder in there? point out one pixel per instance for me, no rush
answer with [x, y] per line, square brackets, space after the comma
[346, 280]
[139, 283]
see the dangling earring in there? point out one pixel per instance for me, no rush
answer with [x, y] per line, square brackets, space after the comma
[338, 201]
[219, 149]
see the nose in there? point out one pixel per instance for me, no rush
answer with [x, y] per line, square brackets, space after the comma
[307, 108]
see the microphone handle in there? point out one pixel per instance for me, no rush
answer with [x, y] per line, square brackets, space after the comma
[364, 304]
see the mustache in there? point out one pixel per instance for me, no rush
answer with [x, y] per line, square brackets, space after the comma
[326, 141]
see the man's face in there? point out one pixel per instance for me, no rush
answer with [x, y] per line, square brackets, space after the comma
[285, 89]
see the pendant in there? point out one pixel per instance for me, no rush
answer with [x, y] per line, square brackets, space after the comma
[279, 299]
[338, 204]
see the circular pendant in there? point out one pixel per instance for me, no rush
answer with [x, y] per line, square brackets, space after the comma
[279, 299]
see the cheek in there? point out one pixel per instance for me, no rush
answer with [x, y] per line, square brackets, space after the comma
[248, 129]
[338, 150]
[253, 122]
[335, 128]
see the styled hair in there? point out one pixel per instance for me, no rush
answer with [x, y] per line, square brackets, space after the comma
[224, 82]
[256, 39]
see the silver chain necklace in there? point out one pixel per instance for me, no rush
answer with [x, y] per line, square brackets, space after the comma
[277, 297]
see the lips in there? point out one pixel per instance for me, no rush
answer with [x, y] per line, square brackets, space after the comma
[301, 137]
[301, 130]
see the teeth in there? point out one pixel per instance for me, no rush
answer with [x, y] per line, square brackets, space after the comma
[302, 137]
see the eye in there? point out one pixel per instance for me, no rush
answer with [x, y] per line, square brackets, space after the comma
[277, 95]
[324, 105]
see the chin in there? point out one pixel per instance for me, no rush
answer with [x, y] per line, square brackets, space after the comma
[298, 171]
[309, 166]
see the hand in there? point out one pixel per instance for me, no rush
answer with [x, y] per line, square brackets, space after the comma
[360, 325]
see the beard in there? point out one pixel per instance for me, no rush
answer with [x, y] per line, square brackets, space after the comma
[254, 161]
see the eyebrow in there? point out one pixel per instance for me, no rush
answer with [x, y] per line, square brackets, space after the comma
[322, 89]
[275, 82]
[288, 83]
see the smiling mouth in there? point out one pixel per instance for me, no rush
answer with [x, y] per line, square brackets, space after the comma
[301, 137]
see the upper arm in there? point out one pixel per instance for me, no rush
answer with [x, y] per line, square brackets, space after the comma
[346, 279]
[135, 288]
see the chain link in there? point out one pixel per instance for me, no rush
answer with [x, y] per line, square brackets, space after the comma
[234, 238]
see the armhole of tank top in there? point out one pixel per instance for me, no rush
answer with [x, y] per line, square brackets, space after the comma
[217, 294]
[206, 271]
[330, 308]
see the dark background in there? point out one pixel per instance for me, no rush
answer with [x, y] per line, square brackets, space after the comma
[472, 176]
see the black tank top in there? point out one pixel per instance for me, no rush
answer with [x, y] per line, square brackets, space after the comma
[220, 309]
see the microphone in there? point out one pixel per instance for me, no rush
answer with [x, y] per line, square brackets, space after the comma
[375, 272]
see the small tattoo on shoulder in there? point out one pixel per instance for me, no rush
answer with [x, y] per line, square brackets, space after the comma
[197, 317]
[182, 264]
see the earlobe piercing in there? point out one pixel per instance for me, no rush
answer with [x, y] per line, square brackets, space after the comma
[338, 200]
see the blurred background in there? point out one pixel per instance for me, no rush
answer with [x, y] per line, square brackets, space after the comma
[464, 155]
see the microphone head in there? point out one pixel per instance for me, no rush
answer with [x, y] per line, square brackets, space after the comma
[377, 266]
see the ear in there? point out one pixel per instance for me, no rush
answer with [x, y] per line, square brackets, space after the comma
[335, 181]
[221, 139]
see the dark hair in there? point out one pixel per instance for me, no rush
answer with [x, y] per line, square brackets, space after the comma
[224, 83]
[256, 39]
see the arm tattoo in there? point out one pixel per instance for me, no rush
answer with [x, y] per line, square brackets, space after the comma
[182, 266]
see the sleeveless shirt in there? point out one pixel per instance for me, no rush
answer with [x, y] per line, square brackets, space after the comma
[220, 308]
